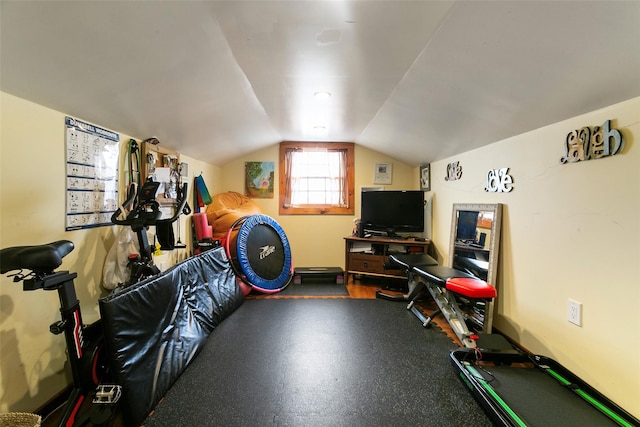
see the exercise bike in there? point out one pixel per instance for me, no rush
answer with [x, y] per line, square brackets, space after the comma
[85, 351]
[145, 212]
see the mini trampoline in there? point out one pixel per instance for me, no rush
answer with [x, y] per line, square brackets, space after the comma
[259, 252]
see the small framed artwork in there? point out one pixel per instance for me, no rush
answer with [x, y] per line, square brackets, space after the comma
[382, 173]
[259, 179]
[425, 177]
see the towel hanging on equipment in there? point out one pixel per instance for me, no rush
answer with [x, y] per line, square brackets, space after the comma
[201, 193]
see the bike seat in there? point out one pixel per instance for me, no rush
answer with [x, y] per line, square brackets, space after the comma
[44, 258]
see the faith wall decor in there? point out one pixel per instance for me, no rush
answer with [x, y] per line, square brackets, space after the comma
[587, 144]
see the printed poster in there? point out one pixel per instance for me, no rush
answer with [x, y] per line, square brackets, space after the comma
[91, 174]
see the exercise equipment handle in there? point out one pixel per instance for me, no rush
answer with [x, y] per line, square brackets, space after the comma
[140, 216]
[131, 196]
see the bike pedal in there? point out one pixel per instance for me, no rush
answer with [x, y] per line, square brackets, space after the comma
[107, 394]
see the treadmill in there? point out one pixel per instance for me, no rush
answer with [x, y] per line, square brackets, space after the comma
[519, 389]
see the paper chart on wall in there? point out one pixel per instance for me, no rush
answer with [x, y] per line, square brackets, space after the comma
[92, 157]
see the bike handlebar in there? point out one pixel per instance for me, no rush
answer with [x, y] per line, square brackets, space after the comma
[141, 217]
[133, 191]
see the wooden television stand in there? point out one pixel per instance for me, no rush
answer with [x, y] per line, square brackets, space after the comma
[368, 255]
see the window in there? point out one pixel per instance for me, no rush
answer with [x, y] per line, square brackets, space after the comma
[316, 178]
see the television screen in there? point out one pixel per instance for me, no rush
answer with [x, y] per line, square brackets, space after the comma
[467, 225]
[392, 211]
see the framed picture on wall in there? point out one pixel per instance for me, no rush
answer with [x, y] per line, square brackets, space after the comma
[382, 173]
[425, 177]
[259, 179]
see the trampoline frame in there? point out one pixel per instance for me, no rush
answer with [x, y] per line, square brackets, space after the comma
[244, 270]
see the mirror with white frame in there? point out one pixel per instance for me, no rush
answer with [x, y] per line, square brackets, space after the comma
[474, 246]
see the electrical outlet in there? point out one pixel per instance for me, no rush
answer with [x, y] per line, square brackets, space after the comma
[574, 312]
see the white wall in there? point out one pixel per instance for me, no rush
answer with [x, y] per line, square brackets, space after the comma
[32, 211]
[569, 231]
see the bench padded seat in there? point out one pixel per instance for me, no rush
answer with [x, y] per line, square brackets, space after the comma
[472, 288]
[456, 281]
[409, 261]
[439, 274]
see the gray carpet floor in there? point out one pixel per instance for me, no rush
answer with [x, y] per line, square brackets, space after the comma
[320, 362]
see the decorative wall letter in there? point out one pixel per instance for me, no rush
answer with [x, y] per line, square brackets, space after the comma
[499, 181]
[587, 144]
[454, 171]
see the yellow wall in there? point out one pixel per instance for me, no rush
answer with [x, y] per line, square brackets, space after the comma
[317, 240]
[32, 211]
[32, 188]
[569, 231]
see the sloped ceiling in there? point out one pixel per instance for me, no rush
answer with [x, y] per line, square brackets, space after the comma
[418, 80]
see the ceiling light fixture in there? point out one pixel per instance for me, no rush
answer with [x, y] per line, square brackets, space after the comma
[323, 94]
[319, 130]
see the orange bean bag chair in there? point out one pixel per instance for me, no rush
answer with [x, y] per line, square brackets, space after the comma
[227, 208]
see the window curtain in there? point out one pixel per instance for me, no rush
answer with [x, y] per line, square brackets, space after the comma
[342, 180]
[289, 181]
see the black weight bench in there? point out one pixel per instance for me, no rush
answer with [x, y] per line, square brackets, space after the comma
[408, 262]
[451, 289]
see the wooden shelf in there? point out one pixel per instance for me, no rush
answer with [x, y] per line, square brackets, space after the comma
[369, 256]
[160, 156]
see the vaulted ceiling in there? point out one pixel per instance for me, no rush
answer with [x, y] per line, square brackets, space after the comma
[418, 80]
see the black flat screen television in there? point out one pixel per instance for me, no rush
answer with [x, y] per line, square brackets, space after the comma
[392, 212]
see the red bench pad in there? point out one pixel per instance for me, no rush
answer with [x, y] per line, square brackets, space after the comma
[472, 288]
